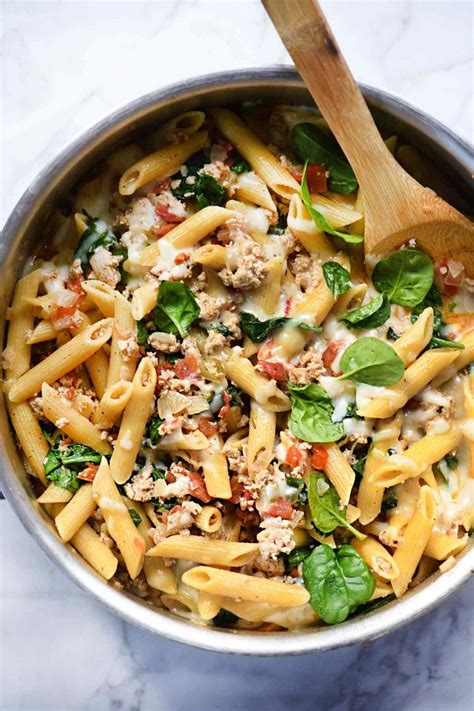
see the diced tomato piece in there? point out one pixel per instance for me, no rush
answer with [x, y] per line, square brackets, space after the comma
[293, 456]
[166, 214]
[166, 514]
[275, 371]
[225, 409]
[319, 458]
[186, 367]
[207, 427]
[198, 487]
[316, 176]
[162, 230]
[76, 285]
[89, 472]
[181, 257]
[298, 176]
[65, 317]
[282, 508]
[330, 354]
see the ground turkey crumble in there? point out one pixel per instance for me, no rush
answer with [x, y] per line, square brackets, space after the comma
[307, 369]
[164, 342]
[251, 269]
[306, 270]
[105, 266]
[275, 538]
[215, 342]
[209, 305]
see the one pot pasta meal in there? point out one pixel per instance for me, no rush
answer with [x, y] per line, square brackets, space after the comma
[224, 413]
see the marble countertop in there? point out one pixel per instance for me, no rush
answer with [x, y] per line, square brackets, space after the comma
[65, 65]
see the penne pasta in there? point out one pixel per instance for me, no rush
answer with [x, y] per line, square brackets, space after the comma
[209, 551]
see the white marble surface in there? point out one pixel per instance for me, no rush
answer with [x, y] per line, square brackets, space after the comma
[65, 65]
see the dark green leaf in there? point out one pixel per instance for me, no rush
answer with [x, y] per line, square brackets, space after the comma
[79, 454]
[372, 361]
[258, 330]
[176, 308]
[240, 165]
[51, 461]
[98, 234]
[208, 191]
[298, 484]
[352, 412]
[319, 219]
[235, 395]
[405, 276]
[337, 581]
[444, 343]
[371, 315]
[64, 477]
[153, 427]
[373, 605]
[310, 143]
[224, 618]
[135, 516]
[311, 412]
[391, 335]
[325, 506]
[297, 556]
[281, 225]
[390, 500]
[157, 473]
[142, 333]
[337, 278]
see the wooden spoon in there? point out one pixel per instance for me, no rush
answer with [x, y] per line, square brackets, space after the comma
[397, 208]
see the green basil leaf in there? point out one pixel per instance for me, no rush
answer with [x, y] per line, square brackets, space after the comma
[372, 361]
[371, 315]
[135, 516]
[311, 412]
[405, 276]
[152, 431]
[310, 143]
[258, 330]
[98, 234]
[324, 503]
[240, 165]
[319, 219]
[337, 278]
[337, 581]
[176, 308]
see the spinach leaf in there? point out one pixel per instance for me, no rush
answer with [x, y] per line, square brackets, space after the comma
[351, 412]
[176, 308]
[65, 478]
[298, 484]
[152, 431]
[142, 333]
[371, 315]
[324, 503]
[240, 165]
[280, 226]
[405, 276]
[390, 500]
[319, 219]
[224, 618]
[297, 556]
[372, 361]
[373, 605]
[391, 335]
[208, 191]
[258, 330]
[445, 466]
[310, 143]
[98, 234]
[434, 299]
[235, 396]
[61, 466]
[135, 516]
[337, 581]
[79, 454]
[444, 343]
[337, 278]
[311, 413]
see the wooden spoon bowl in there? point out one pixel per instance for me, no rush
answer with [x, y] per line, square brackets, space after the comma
[397, 207]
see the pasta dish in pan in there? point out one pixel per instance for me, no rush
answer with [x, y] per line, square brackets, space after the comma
[224, 413]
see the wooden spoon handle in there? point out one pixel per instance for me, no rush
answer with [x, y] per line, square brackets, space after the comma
[309, 40]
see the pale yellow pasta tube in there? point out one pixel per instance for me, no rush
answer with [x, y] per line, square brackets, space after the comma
[265, 392]
[211, 255]
[184, 124]
[245, 587]
[209, 519]
[60, 412]
[112, 404]
[121, 366]
[267, 296]
[314, 305]
[95, 552]
[97, 364]
[289, 341]
[415, 537]
[66, 358]
[18, 352]
[303, 228]
[369, 498]
[440, 546]
[465, 357]
[117, 517]
[339, 472]
[264, 163]
[379, 560]
[134, 421]
[75, 513]
[419, 456]
[214, 468]
[293, 617]
[250, 610]
[186, 234]
[30, 437]
[416, 377]
[251, 188]
[262, 428]
[101, 294]
[55, 495]
[210, 551]
[43, 331]
[144, 300]
[161, 164]
[208, 605]
[415, 339]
